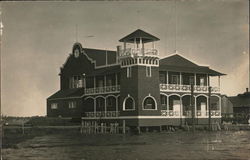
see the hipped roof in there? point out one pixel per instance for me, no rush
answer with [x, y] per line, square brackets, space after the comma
[146, 37]
[68, 93]
[178, 63]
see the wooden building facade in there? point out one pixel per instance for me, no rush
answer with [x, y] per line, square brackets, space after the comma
[134, 84]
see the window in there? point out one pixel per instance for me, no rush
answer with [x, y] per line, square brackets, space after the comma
[72, 104]
[163, 100]
[129, 72]
[149, 103]
[191, 80]
[162, 78]
[148, 71]
[54, 106]
[75, 82]
[175, 79]
[129, 103]
[202, 81]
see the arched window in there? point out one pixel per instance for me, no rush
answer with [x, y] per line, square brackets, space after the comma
[149, 103]
[128, 103]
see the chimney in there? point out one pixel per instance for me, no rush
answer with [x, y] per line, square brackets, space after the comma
[118, 53]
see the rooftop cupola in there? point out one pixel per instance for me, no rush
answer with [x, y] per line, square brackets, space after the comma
[139, 45]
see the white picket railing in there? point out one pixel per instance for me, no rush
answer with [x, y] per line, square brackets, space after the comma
[102, 90]
[187, 88]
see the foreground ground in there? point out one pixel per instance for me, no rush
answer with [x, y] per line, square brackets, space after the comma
[164, 145]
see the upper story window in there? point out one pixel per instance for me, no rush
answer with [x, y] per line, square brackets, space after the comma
[149, 103]
[175, 79]
[75, 82]
[72, 104]
[191, 80]
[162, 78]
[129, 103]
[129, 72]
[148, 71]
[202, 81]
[54, 106]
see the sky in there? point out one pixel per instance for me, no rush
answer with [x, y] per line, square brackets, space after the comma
[38, 37]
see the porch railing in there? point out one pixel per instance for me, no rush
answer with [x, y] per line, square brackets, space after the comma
[102, 90]
[171, 113]
[138, 52]
[187, 88]
[101, 114]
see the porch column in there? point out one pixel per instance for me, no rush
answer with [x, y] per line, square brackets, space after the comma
[167, 77]
[195, 79]
[181, 109]
[180, 78]
[95, 107]
[220, 105]
[94, 82]
[105, 107]
[207, 107]
[105, 81]
[195, 107]
[116, 107]
[140, 43]
[167, 103]
[208, 80]
[116, 81]
[135, 43]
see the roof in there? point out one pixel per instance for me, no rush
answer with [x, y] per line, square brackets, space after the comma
[106, 70]
[242, 100]
[178, 63]
[99, 56]
[146, 37]
[68, 93]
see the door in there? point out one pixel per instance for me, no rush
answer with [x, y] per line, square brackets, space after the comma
[177, 107]
[203, 109]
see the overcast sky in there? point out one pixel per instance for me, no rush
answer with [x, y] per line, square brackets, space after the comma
[38, 36]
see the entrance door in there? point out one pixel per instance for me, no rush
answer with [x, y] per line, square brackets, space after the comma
[176, 107]
[203, 109]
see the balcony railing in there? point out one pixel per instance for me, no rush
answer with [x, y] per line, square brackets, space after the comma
[130, 52]
[102, 90]
[187, 88]
[171, 113]
[102, 114]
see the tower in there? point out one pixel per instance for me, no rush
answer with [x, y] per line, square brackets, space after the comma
[139, 60]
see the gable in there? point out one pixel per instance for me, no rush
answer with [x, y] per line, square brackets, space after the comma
[177, 60]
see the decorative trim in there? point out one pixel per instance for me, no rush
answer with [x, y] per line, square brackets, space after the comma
[124, 101]
[149, 96]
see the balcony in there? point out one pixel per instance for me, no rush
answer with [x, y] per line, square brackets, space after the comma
[102, 90]
[131, 52]
[187, 88]
[199, 114]
[102, 114]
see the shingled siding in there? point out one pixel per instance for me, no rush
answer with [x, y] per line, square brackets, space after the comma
[63, 109]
